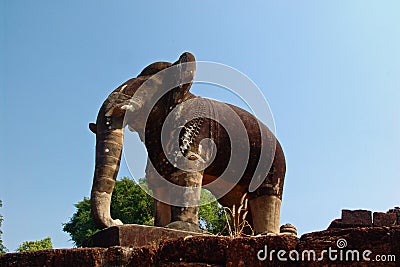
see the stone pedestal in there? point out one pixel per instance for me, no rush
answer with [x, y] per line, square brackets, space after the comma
[134, 235]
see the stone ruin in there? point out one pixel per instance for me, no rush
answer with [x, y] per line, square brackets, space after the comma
[365, 218]
[361, 230]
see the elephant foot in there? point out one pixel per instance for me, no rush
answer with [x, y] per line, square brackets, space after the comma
[286, 229]
[100, 202]
[116, 222]
[184, 226]
[265, 211]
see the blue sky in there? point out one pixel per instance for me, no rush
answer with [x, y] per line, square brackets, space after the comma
[329, 70]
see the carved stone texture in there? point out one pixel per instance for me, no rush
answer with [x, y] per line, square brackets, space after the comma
[288, 229]
[357, 218]
[226, 251]
[135, 235]
[379, 240]
[243, 251]
[336, 223]
[396, 211]
[384, 219]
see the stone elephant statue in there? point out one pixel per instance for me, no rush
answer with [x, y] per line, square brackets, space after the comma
[202, 144]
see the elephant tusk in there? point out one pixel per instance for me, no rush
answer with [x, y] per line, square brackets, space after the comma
[133, 104]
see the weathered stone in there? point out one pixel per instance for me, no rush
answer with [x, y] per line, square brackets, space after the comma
[251, 251]
[143, 256]
[208, 249]
[135, 235]
[379, 240]
[54, 257]
[336, 223]
[396, 211]
[268, 209]
[384, 219]
[189, 264]
[186, 218]
[357, 217]
[217, 251]
[288, 229]
[184, 226]
[395, 242]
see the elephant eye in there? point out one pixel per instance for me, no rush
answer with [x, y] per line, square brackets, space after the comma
[108, 122]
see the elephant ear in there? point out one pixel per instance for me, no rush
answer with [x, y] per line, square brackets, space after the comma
[185, 74]
[93, 127]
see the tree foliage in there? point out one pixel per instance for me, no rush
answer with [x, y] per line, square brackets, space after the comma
[3, 249]
[36, 245]
[131, 204]
[81, 226]
[212, 216]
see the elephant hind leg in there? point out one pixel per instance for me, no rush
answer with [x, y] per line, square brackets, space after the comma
[162, 211]
[161, 194]
[265, 201]
[265, 211]
[265, 205]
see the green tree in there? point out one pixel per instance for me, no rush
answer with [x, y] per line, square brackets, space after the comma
[131, 204]
[81, 226]
[211, 215]
[36, 245]
[3, 249]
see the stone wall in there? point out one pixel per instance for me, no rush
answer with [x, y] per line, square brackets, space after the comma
[226, 251]
[365, 218]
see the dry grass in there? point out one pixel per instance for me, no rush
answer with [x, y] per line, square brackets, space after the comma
[238, 220]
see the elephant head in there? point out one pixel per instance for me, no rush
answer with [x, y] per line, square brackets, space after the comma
[110, 123]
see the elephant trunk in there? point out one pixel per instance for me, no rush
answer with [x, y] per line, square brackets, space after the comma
[109, 129]
[109, 140]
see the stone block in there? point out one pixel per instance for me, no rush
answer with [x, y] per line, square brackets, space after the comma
[378, 240]
[357, 218]
[218, 251]
[384, 219]
[196, 249]
[336, 223]
[134, 235]
[256, 251]
[396, 211]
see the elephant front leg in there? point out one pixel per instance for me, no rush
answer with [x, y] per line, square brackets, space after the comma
[184, 215]
[186, 193]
